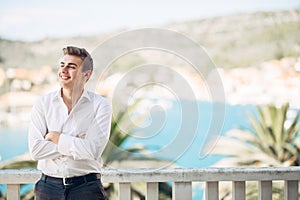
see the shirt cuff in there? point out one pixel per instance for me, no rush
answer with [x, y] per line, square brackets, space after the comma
[64, 144]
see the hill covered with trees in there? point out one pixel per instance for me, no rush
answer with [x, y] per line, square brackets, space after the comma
[232, 41]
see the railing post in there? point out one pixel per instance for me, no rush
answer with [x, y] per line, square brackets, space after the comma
[13, 191]
[124, 191]
[152, 191]
[265, 190]
[182, 190]
[291, 190]
[182, 180]
[212, 190]
[238, 190]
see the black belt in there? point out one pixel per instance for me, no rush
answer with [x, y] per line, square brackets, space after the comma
[77, 180]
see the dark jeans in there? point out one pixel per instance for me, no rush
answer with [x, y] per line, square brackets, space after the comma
[92, 190]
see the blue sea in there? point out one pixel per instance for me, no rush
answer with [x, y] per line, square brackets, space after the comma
[178, 133]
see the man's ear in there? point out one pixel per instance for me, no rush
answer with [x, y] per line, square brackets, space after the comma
[88, 74]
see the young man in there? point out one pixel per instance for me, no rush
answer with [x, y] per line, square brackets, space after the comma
[68, 132]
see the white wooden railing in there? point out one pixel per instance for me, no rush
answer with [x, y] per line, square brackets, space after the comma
[182, 181]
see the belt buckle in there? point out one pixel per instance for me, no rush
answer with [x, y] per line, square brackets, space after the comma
[64, 182]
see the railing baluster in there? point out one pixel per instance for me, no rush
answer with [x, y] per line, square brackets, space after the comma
[265, 190]
[212, 190]
[152, 191]
[291, 190]
[124, 191]
[238, 190]
[182, 181]
[182, 190]
[13, 191]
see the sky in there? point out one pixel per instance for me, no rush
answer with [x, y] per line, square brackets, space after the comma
[34, 19]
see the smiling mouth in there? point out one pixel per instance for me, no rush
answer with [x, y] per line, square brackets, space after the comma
[65, 77]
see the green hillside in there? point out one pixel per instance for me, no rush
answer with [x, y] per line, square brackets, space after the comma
[232, 41]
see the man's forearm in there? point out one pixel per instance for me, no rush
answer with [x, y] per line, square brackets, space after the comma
[41, 149]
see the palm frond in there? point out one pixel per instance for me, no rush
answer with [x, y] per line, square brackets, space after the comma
[268, 143]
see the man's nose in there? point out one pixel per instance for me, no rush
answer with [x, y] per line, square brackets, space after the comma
[63, 69]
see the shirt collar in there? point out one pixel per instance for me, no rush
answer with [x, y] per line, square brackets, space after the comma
[57, 95]
[85, 94]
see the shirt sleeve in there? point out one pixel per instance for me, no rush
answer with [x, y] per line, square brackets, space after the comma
[39, 148]
[97, 136]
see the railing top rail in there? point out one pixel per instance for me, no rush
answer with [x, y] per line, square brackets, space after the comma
[170, 175]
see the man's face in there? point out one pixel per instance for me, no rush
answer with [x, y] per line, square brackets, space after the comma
[70, 74]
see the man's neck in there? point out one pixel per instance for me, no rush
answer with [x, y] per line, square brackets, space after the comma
[71, 97]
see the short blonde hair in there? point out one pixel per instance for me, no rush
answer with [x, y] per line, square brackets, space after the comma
[87, 63]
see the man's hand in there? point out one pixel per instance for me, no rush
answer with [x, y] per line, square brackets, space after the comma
[81, 135]
[53, 136]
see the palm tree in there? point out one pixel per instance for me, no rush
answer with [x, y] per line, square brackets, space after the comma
[272, 140]
[115, 153]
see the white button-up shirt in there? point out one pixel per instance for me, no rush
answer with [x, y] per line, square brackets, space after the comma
[84, 134]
